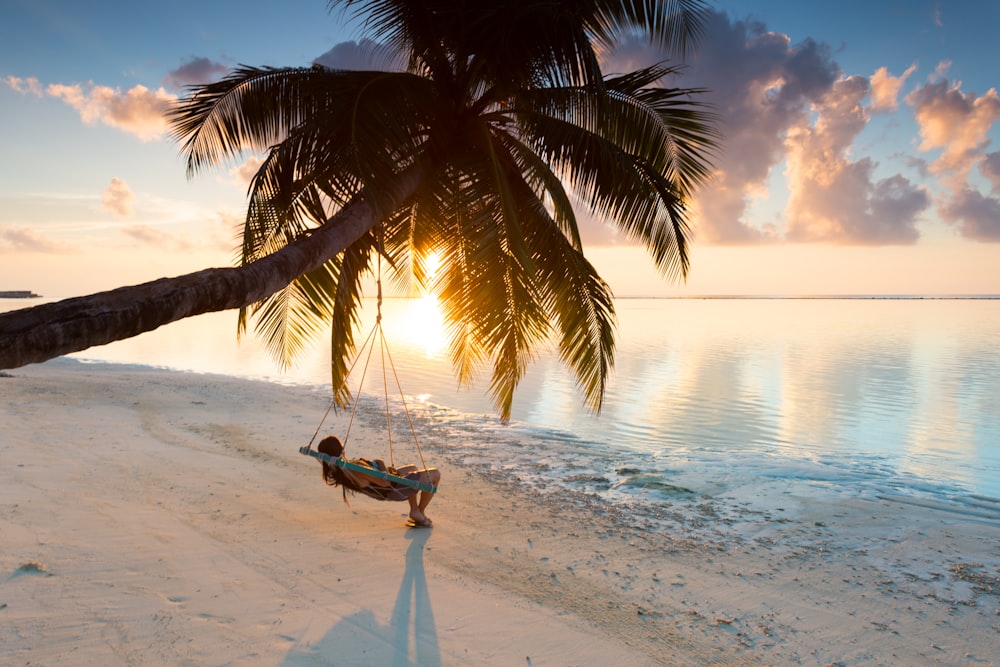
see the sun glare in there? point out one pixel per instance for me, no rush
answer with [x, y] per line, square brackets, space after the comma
[425, 325]
[424, 321]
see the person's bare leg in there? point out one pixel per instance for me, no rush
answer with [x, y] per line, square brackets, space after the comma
[419, 502]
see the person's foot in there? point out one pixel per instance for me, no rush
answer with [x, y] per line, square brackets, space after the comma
[418, 518]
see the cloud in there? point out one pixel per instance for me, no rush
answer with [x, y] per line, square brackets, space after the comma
[29, 86]
[761, 87]
[138, 111]
[118, 198]
[193, 72]
[244, 173]
[954, 122]
[990, 168]
[361, 56]
[225, 232]
[220, 231]
[977, 217]
[25, 239]
[835, 200]
[784, 103]
[150, 236]
[958, 124]
[886, 87]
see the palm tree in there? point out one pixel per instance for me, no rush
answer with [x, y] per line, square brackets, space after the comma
[470, 154]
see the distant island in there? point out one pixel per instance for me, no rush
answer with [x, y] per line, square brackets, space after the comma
[18, 294]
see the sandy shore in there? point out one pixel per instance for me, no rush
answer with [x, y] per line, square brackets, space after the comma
[158, 518]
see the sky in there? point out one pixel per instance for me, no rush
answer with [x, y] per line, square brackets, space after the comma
[860, 144]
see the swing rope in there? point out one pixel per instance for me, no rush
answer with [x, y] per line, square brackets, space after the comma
[333, 403]
[385, 355]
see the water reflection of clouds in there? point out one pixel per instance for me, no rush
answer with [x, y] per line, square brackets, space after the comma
[914, 383]
[959, 403]
[866, 382]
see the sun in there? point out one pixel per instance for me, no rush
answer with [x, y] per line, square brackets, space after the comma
[424, 325]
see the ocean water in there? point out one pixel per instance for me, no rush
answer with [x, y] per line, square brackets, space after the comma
[718, 398]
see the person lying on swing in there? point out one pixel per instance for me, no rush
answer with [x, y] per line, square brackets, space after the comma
[376, 487]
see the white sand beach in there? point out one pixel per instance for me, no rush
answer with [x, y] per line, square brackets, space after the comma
[151, 517]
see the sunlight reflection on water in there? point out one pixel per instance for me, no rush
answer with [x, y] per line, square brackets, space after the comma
[897, 392]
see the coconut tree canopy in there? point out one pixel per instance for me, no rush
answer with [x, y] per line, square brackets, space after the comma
[475, 153]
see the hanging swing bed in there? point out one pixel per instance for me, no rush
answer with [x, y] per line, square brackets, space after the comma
[396, 483]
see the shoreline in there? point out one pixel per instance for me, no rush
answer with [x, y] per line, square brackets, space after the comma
[165, 516]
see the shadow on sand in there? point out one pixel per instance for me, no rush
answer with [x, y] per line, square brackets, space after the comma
[409, 640]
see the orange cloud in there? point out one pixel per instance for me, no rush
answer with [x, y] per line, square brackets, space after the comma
[243, 174]
[886, 87]
[29, 86]
[226, 231]
[957, 123]
[24, 239]
[834, 199]
[118, 198]
[150, 236]
[139, 111]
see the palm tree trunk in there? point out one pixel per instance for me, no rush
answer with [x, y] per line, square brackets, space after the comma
[37, 334]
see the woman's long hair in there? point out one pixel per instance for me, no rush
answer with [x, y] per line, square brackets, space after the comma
[334, 475]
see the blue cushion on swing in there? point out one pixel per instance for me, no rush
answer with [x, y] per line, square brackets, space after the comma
[382, 474]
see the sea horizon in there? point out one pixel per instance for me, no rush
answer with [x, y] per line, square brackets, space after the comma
[889, 296]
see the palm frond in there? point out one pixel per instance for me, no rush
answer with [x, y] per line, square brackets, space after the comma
[344, 317]
[289, 320]
[503, 112]
[249, 110]
[674, 25]
[633, 157]
[576, 299]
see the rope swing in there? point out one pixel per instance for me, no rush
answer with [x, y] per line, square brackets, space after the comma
[376, 335]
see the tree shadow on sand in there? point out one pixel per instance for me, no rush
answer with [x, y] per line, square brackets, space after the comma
[409, 640]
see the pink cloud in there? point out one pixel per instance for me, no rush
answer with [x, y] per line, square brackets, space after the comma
[222, 232]
[138, 111]
[146, 235]
[954, 122]
[244, 173]
[24, 239]
[834, 199]
[977, 216]
[886, 87]
[29, 86]
[118, 198]
[225, 232]
[761, 86]
[990, 168]
[784, 103]
[957, 124]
